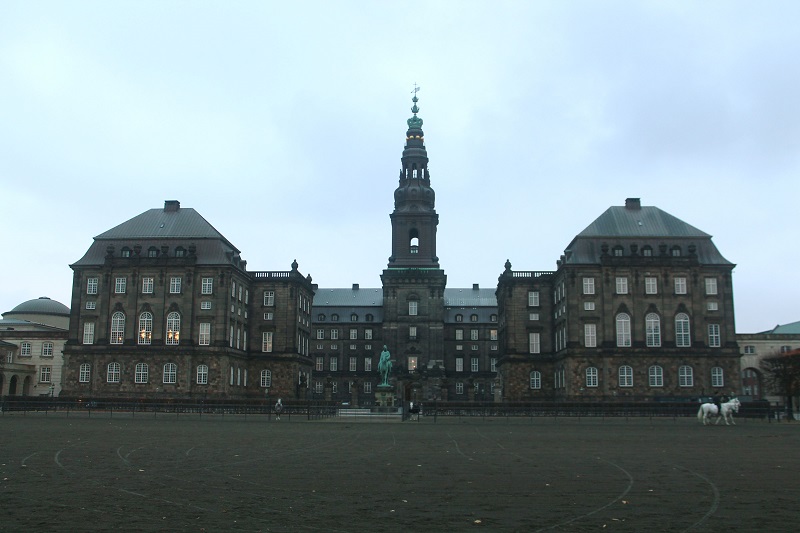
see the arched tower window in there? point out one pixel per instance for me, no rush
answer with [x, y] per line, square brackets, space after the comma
[413, 238]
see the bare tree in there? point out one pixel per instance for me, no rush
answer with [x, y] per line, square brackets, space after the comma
[782, 375]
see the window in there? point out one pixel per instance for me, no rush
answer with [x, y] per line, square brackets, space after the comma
[588, 306]
[533, 316]
[334, 334]
[685, 376]
[170, 373]
[91, 305]
[492, 334]
[412, 333]
[493, 364]
[459, 318]
[266, 379]
[180, 252]
[91, 285]
[269, 299]
[368, 364]
[117, 327]
[173, 329]
[647, 251]
[333, 364]
[750, 383]
[88, 333]
[112, 373]
[680, 285]
[473, 334]
[536, 380]
[785, 349]
[492, 318]
[84, 373]
[368, 334]
[145, 328]
[534, 343]
[591, 377]
[412, 363]
[119, 285]
[233, 294]
[319, 364]
[266, 341]
[473, 318]
[652, 330]
[533, 298]
[655, 375]
[412, 308]
[711, 286]
[717, 377]
[205, 334]
[590, 335]
[588, 285]
[623, 330]
[44, 374]
[202, 374]
[207, 286]
[354, 318]
[320, 334]
[205, 305]
[675, 251]
[367, 387]
[142, 373]
[622, 285]
[175, 285]
[625, 376]
[473, 364]
[459, 334]
[650, 285]
[459, 364]
[369, 317]
[749, 350]
[682, 333]
[152, 252]
[617, 251]
[47, 349]
[334, 318]
[353, 364]
[713, 306]
[714, 336]
[353, 334]
[318, 387]
[268, 316]
[147, 285]
[459, 388]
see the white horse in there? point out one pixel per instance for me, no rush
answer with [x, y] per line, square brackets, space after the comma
[707, 410]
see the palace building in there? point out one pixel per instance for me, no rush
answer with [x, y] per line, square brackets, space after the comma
[640, 307]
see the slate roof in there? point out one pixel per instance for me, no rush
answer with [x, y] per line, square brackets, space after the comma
[643, 226]
[786, 329]
[348, 298]
[470, 298]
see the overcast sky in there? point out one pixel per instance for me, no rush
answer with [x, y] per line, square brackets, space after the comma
[283, 123]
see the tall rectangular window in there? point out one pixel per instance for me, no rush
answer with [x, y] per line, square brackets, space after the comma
[534, 344]
[650, 285]
[412, 332]
[88, 333]
[590, 335]
[714, 336]
[412, 363]
[353, 334]
[680, 285]
[459, 334]
[91, 285]
[492, 334]
[44, 374]
[320, 334]
[47, 349]
[319, 364]
[353, 364]
[473, 364]
[269, 298]
[175, 285]
[459, 364]
[334, 334]
[473, 334]
[119, 285]
[413, 308]
[266, 341]
[533, 298]
[85, 373]
[588, 285]
[368, 364]
[147, 285]
[368, 334]
[717, 377]
[205, 333]
[711, 286]
[202, 374]
[622, 285]
[207, 286]
[333, 364]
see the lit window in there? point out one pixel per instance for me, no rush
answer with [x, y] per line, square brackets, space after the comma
[492, 334]
[412, 363]
[173, 329]
[117, 327]
[145, 328]
[266, 341]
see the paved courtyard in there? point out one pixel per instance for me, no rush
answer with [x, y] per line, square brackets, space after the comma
[251, 474]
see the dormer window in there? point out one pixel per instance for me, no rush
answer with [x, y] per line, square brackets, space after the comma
[126, 252]
[354, 318]
[459, 318]
[152, 252]
[334, 318]
[647, 251]
[321, 317]
[617, 251]
[675, 251]
[180, 252]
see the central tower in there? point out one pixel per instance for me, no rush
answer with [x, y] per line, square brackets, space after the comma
[413, 283]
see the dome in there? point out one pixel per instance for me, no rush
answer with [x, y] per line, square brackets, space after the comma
[39, 306]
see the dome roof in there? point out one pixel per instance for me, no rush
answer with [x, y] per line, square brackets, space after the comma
[40, 306]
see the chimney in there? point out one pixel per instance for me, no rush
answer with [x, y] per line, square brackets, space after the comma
[634, 204]
[355, 286]
[475, 287]
[171, 206]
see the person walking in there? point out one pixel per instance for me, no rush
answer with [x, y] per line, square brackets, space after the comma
[278, 409]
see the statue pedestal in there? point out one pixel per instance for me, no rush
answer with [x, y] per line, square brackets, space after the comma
[384, 396]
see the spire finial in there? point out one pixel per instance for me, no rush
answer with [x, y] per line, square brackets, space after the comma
[415, 121]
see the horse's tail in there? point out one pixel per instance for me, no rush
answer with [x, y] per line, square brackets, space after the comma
[700, 413]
